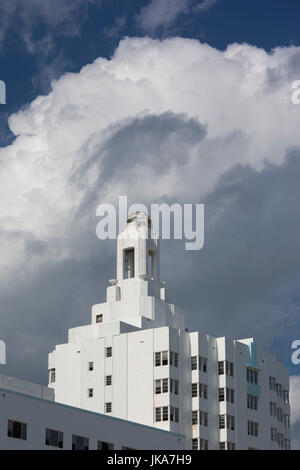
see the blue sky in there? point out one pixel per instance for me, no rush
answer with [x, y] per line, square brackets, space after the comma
[103, 23]
[225, 107]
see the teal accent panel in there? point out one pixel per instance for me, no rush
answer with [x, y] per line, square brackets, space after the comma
[253, 389]
[252, 356]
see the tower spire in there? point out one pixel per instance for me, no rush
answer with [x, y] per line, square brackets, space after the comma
[138, 250]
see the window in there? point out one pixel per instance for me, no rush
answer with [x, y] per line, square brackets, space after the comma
[285, 394]
[273, 409]
[199, 362]
[251, 375]
[129, 263]
[99, 318]
[203, 421]
[54, 438]
[165, 413]
[90, 366]
[80, 443]
[203, 444]
[286, 420]
[194, 444]
[194, 390]
[227, 421]
[105, 445]
[165, 358]
[229, 368]
[176, 359]
[157, 359]
[194, 363]
[203, 391]
[17, 430]
[108, 380]
[221, 367]
[252, 402]
[109, 352]
[278, 389]
[272, 382]
[252, 428]
[221, 421]
[171, 358]
[287, 444]
[157, 387]
[51, 375]
[194, 417]
[108, 407]
[230, 395]
[162, 386]
[280, 415]
[227, 445]
[203, 364]
[274, 435]
[230, 446]
[90, 392]
[280, 440]
[230, 422]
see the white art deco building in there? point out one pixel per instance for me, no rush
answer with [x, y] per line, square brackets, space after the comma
[138, 362]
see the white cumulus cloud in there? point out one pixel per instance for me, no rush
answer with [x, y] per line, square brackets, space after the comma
[241, 96]
[159, 120]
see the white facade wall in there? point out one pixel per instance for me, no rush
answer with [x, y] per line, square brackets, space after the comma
[137, 322]
[205, 347]
[41, 414]
[266, 365]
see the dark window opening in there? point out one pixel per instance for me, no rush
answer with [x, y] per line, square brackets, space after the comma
[109, 352]
[105, 445]
[129, 263]
[54, 438]
[80, 443]
[17, 430]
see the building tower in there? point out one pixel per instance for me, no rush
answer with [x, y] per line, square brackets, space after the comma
[137, 361]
